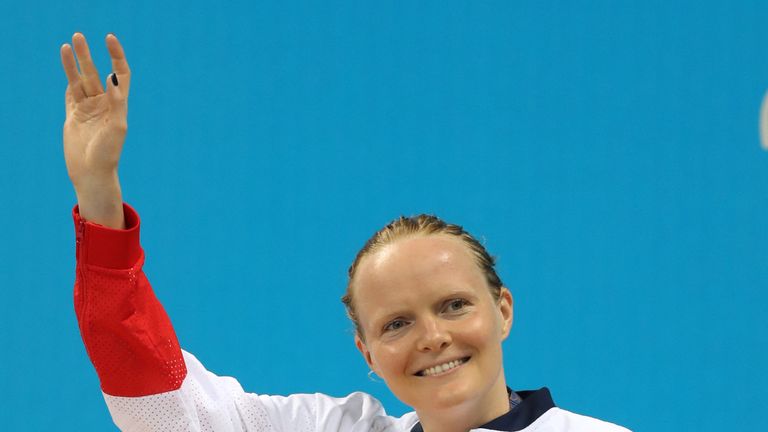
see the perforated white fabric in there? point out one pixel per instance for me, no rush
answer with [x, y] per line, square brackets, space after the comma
[209, 403]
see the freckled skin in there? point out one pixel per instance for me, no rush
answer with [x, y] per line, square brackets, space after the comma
[423, 301]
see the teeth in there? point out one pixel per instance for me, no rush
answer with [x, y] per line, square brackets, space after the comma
[434, 370]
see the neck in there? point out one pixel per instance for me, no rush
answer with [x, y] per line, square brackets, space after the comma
[468, 415]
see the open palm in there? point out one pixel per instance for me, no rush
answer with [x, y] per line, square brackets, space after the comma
[96, 122]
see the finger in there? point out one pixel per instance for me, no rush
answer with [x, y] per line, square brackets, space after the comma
[117, 100]
[89, 76]
[70, 68]
[119, 63]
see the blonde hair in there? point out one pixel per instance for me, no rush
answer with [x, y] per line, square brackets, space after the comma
[422, 224]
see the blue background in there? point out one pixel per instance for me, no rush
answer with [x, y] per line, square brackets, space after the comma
[607, 152]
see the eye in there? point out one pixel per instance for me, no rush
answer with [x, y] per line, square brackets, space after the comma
[395, 325]
[456, 305]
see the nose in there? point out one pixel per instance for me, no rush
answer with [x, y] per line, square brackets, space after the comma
[434, 335]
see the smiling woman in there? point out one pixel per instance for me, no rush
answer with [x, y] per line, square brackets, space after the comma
[429, 309]
[432, 329]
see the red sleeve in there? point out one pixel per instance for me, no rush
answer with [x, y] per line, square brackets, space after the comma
[127, 334]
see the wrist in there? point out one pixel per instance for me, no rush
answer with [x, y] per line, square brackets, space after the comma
[96, 180]
[100, 201]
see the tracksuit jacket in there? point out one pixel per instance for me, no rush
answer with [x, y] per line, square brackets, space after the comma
[150, 384]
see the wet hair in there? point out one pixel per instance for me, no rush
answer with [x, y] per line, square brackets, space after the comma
[423, 225]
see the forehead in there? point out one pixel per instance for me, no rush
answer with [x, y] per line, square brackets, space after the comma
[415, 267]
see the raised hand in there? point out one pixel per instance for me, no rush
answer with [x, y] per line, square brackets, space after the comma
[95, 129]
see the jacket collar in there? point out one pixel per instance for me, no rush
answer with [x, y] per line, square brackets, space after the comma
[534, 404]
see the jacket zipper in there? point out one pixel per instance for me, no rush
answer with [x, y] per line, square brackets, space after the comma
[79, 237]
[79, 234]
[84, 320]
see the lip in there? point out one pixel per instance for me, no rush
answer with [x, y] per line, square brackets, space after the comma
[463, 359]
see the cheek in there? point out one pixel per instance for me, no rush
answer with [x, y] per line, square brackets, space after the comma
[390, 358]
[482, 331]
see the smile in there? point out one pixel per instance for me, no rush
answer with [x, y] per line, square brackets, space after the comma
[442, 368]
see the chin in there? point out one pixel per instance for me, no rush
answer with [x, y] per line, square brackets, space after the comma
[450, 395]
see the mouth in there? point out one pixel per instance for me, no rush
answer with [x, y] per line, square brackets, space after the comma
[442, 368]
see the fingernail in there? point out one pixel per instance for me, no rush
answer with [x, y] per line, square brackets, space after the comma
[114, 79]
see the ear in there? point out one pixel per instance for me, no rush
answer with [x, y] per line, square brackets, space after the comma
[506, 310]
[364, 351]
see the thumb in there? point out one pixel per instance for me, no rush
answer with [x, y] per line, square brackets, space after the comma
[115, 95]
[69, 101]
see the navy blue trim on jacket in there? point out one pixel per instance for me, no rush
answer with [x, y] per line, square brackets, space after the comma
[535, 403]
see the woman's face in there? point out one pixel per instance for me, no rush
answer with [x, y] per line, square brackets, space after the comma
[432, 329]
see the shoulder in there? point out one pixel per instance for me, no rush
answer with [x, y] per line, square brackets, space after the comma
[354, 412]
[358, 409]
[558, 419]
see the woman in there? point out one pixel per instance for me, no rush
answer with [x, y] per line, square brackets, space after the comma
[429, 310]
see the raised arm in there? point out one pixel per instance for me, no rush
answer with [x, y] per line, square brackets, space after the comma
[95, 129]
[128, 336]
[149, 384]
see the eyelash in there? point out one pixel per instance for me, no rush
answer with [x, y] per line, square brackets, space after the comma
[449, 303]
[388, 327]
[454, 301]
